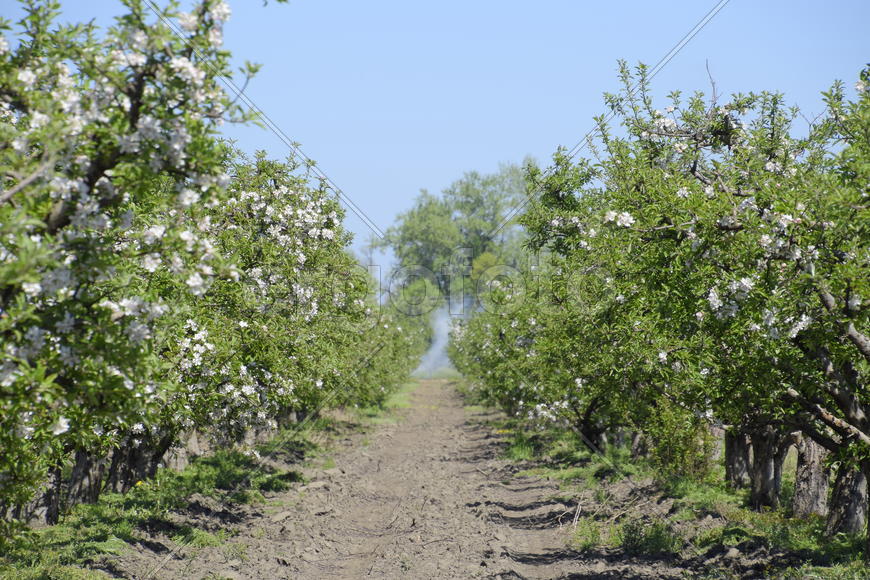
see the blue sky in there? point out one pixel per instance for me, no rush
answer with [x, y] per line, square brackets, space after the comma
[393, 96]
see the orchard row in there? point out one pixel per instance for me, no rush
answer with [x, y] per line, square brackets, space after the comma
[709, 267]
[153, 280]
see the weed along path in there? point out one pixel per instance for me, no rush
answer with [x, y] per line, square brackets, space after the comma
[425, 496]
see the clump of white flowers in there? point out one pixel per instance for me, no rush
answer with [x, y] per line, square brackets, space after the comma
[622, 219]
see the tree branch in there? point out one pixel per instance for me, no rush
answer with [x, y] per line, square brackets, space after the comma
[829, 419]
[859, 339]
[7, 195]
[828, 443]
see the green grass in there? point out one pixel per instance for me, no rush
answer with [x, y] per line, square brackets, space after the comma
[561, 456]
[444, 373]
[197, 538]
[385, 413]
[855, 570]
[654, 537]
[588, 534]
[521, 447]
[90, 532]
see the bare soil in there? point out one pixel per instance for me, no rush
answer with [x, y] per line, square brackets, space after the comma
[427, 497]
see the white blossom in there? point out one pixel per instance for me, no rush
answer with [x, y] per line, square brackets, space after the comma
[27, 77]
[220, 12]
[215, 37]
[137, 332]
[187, 70]
[151, 262]
[129, 143]
[665, 124]
[800, 326]
[154, 233]
[773, 167]
[60, 426]
[38, 120]
[624, 219]
[188, 21]
[714, 300]
[196, 284]
[31, 288]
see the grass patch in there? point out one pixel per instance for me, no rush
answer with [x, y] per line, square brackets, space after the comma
[587, 535]
[198, 538]
[385, 412]
[90, 533]
[444, 373]
[654, 537]
[521, 447]
[855, 570]
[704, 498]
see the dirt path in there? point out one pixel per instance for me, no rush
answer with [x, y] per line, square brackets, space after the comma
[428, 497]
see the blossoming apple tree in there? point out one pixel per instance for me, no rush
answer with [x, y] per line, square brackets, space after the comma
[152, 279]
[724, 266]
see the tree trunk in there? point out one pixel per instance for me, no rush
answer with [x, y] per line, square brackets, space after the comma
[865, 468]
[53, 496]
[593, 437]
[811, 480]
[769, 447]
[736, 459]
[86, 480]
[638, 445]
[848, 509]
[134, 463]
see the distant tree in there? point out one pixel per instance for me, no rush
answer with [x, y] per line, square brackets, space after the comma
[441, 236]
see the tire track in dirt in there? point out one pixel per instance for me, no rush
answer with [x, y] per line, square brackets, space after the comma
[428, 497]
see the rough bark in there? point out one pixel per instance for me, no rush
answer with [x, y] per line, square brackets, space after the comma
[736, 459]
[865, 467]
[848, 508]
[811, 479]
[86, 480]
[131, 464]
[53, 496]
[769, 447]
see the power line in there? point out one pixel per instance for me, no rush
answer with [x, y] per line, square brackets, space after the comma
[294, 147]
[674, 51]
